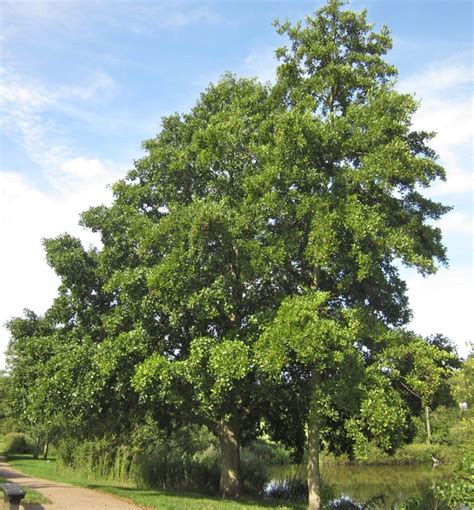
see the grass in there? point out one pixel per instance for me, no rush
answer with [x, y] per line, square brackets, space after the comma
[163, 500]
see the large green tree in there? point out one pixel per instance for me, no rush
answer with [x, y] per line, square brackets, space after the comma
[267, 219]
[193, 265]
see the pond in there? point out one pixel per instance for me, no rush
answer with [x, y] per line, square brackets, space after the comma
[364, 483]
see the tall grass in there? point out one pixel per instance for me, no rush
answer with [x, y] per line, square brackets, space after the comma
[189, 461]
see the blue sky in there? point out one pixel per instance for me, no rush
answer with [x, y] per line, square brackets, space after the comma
[83, 83]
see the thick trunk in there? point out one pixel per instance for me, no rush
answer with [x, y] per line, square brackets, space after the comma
[46, 448]
[314, 476]
[428, 424]
[230, 485]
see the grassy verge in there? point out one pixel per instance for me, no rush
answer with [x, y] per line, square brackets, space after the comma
[163, 500]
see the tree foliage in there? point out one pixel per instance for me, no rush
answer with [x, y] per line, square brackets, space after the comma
[249, 268]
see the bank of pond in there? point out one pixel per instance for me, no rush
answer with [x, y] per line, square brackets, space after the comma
[388, 487]
[345, 486]
[408, 480]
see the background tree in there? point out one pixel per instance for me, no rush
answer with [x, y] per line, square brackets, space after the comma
[462, 382]
[420, 368]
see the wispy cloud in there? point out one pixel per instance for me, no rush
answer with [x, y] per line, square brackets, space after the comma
[447, 107]
[439, 77]
[147, 17]
[26, 109]
[260, 64]
[140, 17]
[29, 212]
[457, 222]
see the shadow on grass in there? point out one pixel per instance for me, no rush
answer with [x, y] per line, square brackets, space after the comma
[150, 493]
[27, 456]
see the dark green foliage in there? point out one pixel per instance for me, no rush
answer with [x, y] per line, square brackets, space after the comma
[268, 453]
[426, 500]
[17, 442]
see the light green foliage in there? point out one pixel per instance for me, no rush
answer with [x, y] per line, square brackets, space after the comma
[460, 490]
[420, 368]
[298, 328]
[17, 442]
[383, 417]
[462, 382]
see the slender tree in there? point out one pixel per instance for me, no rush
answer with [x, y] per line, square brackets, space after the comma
[345, 176]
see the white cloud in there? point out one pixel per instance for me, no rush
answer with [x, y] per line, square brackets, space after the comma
[447, 107]
[28, 213]
[140, 17]
[439, 77]
[261, 64]
[456, 223]
[443, 303]
[25, 110]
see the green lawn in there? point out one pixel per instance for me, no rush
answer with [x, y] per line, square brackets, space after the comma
[163, 500]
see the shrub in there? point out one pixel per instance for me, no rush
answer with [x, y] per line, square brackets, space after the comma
[421, 453]
[269, 453]
[174, 469]
[460, 489]
[17, 442]
[461, 434]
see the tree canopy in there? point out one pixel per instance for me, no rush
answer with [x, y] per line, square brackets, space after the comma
[252, 256]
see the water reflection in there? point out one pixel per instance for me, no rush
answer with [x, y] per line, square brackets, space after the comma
[396, 484]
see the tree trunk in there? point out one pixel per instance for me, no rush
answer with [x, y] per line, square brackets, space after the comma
[428, 424]
[314, 475]
[230, 485]
[36, 449]
[46, 448]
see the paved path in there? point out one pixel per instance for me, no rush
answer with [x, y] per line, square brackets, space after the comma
[64, 496]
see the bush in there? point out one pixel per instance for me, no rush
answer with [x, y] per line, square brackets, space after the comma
[421, 453]
[269, 453]
[17, 442]
[415, 453]
[171, 468]
[461, 434]
[254, 472]
[460, 489]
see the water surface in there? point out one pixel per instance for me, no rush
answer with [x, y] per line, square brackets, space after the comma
[363, 483]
